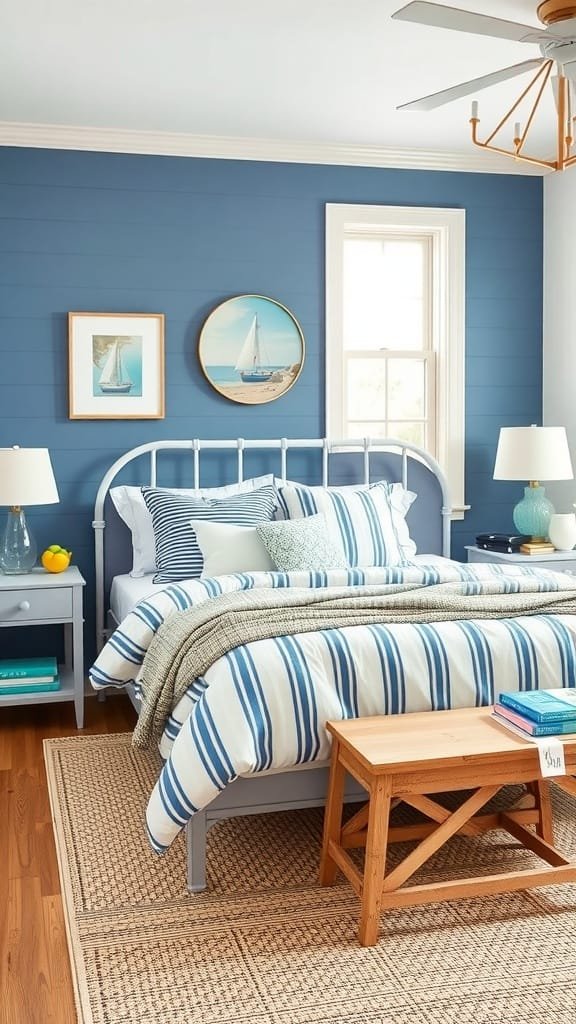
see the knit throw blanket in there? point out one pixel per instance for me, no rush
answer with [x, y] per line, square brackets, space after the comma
[191, 641]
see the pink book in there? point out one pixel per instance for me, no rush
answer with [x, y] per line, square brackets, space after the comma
[507, 715]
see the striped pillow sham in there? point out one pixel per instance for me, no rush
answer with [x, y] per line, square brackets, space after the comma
[131, 508]
[178, 554]
[369, 522]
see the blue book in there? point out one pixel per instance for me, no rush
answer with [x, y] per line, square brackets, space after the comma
[25, 668]
[28, 686]
[543, 706]
[514, 720]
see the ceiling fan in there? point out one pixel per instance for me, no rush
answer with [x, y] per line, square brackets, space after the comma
[557, 44]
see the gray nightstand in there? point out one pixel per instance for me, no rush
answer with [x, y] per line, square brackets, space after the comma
[561, 561]
[41, 598]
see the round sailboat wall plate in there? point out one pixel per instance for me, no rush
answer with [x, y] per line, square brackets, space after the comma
[251, 349]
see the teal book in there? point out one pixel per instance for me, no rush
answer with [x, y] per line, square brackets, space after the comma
[43, 669]
[28, 686]
[543, 706]
[514, 720]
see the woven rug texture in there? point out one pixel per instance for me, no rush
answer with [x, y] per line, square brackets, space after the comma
[265, 944]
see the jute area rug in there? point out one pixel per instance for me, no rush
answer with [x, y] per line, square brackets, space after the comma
[265, 944]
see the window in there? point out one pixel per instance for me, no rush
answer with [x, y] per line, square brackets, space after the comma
[395, 329]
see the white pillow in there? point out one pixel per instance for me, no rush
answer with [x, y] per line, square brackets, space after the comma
[369, 522]
[131, 507]
[227, 548]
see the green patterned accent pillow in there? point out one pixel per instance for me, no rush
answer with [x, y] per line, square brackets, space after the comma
[302, 544]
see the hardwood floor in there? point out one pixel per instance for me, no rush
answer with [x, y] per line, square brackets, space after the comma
[35, 980]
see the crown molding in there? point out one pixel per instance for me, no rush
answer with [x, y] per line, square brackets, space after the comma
[222, 147]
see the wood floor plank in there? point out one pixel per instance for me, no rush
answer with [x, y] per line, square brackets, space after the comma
[27, 990]
[22, 816]
[12, 981]
[5, 751]
[46, 860]
[35, 979]
[5, 780]
[43, 809]
[60, 977]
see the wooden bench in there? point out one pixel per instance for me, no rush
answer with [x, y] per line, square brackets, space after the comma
[404, 758]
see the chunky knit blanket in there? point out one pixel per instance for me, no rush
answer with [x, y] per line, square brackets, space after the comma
[191, 641]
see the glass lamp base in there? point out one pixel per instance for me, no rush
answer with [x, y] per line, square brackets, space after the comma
[17, 546]
[532, 515]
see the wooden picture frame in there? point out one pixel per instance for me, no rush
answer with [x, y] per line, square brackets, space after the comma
[251, 349]
[116, 366]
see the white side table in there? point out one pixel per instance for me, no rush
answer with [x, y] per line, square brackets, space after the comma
[561, 561]
[40, 598]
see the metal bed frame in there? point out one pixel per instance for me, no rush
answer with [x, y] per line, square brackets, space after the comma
[429, 522]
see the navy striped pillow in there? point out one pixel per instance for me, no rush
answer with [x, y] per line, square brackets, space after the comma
[178, 555]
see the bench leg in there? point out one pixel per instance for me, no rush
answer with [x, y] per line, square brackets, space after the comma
[332, 815]
[545, 825]
[375, 861]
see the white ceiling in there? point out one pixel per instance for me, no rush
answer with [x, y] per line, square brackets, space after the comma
[314, 71]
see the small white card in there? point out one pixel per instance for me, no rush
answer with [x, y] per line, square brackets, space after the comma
[551, 753]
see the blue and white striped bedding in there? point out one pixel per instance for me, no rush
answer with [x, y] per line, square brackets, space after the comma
[264, 704]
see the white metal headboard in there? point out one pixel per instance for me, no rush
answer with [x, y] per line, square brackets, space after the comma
[365, 446]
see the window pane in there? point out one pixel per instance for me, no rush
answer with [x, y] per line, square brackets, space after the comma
[366, 388]
[359, 428]
[414, 433]
[383, 293]
[406, 389]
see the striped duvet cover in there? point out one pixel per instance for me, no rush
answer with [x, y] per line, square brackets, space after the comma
[264, 704]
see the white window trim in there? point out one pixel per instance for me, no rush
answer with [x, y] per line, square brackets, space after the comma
[447, 229]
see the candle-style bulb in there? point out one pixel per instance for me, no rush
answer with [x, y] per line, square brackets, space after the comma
[475, 109]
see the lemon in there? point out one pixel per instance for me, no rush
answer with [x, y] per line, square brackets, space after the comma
[56, 558]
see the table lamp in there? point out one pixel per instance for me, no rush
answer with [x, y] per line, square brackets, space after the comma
[26, 478]
[534, 454]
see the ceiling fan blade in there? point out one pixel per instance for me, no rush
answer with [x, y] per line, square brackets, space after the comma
[565, 29]
[437, 99]
[440, 16]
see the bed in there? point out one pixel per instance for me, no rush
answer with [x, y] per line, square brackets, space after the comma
[132, 613]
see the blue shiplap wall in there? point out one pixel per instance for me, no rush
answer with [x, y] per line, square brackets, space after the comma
[94, 231]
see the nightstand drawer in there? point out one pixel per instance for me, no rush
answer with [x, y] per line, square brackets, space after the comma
[25, 605]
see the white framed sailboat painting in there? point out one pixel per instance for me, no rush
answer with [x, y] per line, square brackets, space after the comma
[251, 349]
[116, 365]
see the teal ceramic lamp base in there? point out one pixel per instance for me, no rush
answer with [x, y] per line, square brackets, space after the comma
[532, 514]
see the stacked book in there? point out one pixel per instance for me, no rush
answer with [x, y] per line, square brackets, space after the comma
[538, 712]
[28, 675]
[508, 543]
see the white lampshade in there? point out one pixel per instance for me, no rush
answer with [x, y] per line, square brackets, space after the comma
[26, 477]
[533, 453]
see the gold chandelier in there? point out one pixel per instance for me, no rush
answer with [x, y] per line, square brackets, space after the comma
[556, 41]
[550, 12]
[564, 121]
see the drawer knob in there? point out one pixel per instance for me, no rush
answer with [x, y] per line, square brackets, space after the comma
[24, 606]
